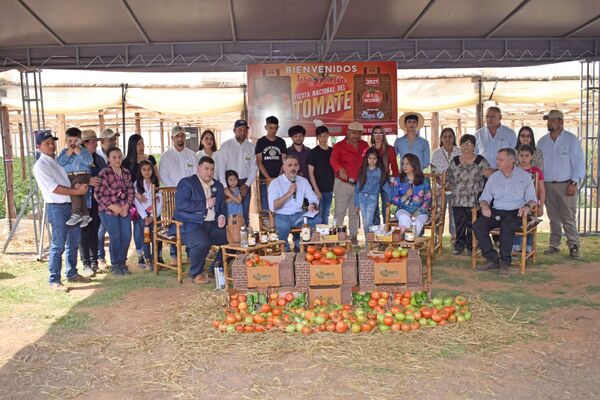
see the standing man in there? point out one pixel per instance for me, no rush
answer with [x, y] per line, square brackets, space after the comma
[564, 168]
[238, 154]
[411, 142]
[321, 173]
[494, 136]
[175, 164]
[108, 139]
[56, 191]
[346, 159]
[287, 193]
[200, 205]
[270, 152]
[513, 193]
[297, 133]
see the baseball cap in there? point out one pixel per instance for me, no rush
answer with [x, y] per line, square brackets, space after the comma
[108, 133]
[355, 126]
[240, 122]
[177, 129]
[554, 114]
[42, 135]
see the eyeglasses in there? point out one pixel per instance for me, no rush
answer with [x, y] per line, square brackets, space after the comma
[378, 133]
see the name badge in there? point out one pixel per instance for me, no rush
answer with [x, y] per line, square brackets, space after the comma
[189, 165]
[247, 157]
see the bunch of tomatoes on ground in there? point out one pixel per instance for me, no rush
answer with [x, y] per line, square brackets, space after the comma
[377, 311]
[325, 256]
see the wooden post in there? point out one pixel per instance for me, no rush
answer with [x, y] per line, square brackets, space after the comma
[162, 136]
[458, 126]
[479, 107]
[61, 128]
[22, 149]
[10, 210]
[101, 120]
[435, 130]
[138, 123]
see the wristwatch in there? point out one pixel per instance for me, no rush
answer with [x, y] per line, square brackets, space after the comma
[573, 183]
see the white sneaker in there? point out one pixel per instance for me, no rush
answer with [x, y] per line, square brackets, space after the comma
[74, 220]
[88, 272]
[85, 220]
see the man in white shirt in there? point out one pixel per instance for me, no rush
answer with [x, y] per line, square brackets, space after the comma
[178, 162]
[175, 164]
[237, 154]
[56, 191]
[286, 197]
[494, 137]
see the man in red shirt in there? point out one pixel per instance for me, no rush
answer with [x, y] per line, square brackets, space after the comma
[345, 160]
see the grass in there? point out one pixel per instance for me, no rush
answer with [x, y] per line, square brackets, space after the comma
[444, 276]
[592, 289]
[516, 278]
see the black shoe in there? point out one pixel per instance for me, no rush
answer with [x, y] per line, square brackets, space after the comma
[78, 279]
[116, 270]
[125, 269]
[574, 251]
[504, 269]
[142, 262]
[469, 252]
[551, 251]
[160, 260]
[489, 265]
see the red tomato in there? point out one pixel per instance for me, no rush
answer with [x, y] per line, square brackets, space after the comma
[289, 297]
[341, 327]
[311, 250]
[339, 251]
[281, 302]
[375, 295]
[239, 328]
[265, 308]
[405, 327]
[388, 321]
[317, 256]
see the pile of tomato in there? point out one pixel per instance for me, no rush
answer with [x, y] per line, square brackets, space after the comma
[390, 255]
[254, 260]
[325, 255]
[370, 312]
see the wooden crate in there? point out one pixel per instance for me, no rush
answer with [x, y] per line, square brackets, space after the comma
[335, 294]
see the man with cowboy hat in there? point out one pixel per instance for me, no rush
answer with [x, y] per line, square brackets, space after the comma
[345, 160]
[410, 122]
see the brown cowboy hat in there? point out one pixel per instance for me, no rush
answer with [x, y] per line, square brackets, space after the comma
[420, 120]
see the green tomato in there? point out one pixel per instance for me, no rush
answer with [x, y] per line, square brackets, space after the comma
[423, 322]
[399, 316]
[461, 318]
[437, 301]
[248, 320]
[291, 328]
[356, 328]
[319, 320]
[299, 326]
[468, 315]
[448, 301]
[230, 328]
[380, 318]
[383, 328]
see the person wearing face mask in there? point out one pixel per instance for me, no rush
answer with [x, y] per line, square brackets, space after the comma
[411, 142]
[564, 168]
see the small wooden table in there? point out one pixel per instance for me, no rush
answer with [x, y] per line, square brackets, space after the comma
[233, 250]
[344, 243]
[420, 243]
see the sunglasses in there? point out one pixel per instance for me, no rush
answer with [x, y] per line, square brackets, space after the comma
[378, 133]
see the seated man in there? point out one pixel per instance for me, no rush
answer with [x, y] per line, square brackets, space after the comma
[200, 205]
[286, 195]
[512, 191]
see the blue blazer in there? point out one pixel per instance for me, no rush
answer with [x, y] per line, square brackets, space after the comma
[190, 203]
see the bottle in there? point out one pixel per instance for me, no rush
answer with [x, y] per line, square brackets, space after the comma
[147, 238]
[220, 278]
[273, 236]
[243, 237]
[411, 232]
[264, 237]
[305, 233]
[251, 237]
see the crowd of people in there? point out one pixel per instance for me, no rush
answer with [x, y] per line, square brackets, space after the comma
[91, 190]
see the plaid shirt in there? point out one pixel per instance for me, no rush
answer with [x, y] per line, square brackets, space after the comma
[114, 189]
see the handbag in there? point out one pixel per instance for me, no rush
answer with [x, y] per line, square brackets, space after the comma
[133, 213]
[234, 226]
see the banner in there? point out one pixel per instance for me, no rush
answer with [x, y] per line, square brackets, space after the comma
[330, 94]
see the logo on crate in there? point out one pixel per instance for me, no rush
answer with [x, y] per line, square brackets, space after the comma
[389, 273]
[325, 275]
[261, 277]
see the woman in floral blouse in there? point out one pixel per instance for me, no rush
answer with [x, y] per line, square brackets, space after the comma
[115, 197]
[465, 179]
[411, 193]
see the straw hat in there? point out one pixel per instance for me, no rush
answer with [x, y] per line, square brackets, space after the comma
[420, 120]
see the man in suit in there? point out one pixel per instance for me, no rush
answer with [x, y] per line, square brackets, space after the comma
[200, 206]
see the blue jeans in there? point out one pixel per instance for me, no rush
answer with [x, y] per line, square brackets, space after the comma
[198, 243]
[101, 234]
[119, 235]
[64, 239]
[368, 205]
[264, 198]
[138, 238]
[325, 207]
[384, 202]
[246, 206]
[284, 223]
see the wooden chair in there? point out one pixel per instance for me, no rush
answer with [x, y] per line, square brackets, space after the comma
[160, 228]
[435, 223]
[266, 219]
[527, 228]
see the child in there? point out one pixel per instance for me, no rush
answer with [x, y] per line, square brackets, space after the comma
[77, 161]
[233, 197]
[146, 178]
[372, 177]
[526, 155]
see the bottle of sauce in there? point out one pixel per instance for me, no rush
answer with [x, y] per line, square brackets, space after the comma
[305, 232]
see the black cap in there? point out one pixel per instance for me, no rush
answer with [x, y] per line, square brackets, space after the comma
[42, 135]
[240, 122]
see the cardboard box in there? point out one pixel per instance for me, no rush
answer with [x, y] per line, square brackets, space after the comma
[280, 274]
[392, 272]
[333, 295]
[325, 275]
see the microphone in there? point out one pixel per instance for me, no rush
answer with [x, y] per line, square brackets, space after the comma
[293, 180]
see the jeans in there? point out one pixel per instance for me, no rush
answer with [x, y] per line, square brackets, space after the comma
[325, 207]
[64, 239]
[264, 198]
[246, 204]
[508, 223]
[119, 235]
[101, 234]
[198, 243]
[138, 237]
[384, 201]
[464, 228]
[89, 239]
[284, 223]
[368, 205]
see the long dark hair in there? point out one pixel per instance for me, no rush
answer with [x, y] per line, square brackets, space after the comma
[364, 167]
[131, 157]
[416, 165]
[519, 144]
[448, 129]
[384, 144]
[204, 133]
[139, 179]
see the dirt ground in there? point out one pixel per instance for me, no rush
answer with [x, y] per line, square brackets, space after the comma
[116, 358]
